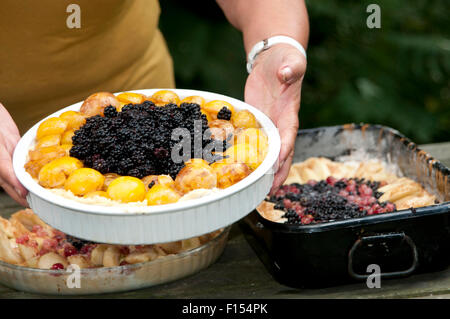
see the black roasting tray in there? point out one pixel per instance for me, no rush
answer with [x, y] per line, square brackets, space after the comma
[400, 243]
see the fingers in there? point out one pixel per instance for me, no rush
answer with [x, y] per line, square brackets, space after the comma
[17, 195]
[11, 184]
[8, 179]
[9, 136]
[8, 125]
[288, 136]
[282, 173]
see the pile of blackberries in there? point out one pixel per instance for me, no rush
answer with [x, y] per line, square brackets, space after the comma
[138, 140]
[329, 200]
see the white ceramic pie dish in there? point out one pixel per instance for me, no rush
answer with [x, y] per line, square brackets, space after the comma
[135, 225]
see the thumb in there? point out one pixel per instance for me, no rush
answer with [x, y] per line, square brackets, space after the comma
[292, 68]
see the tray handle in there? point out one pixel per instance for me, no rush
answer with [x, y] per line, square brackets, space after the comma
[375, 238]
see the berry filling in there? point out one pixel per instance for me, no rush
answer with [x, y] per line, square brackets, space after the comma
[329, 200]
[138, 140]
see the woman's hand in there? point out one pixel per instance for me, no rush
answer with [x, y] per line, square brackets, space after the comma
[274, 87]
[9, 136]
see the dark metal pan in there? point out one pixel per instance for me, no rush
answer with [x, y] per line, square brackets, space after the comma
[399, 243]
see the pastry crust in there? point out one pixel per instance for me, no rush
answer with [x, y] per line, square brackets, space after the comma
[268, 211]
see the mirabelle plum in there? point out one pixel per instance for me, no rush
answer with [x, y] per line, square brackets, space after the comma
[67, 148]
[42, 156]
[130, 97]
[161, 194]
[196, 162]
[164, 97]
[84, 180]
[149, 98]
[193, 177]
[96, 103]
[51, 126]
[75, 119]
[244, 153]
[121, 105]
[244, 119]
[66, 138]
[49, 140]
[165, 180]
[96, 193]
[33, 167]
[109, 178]
[47, 153]
[255, 137]
[194, 99]
[147, 180]
[54, 174]
[221, 129]
[126, 189]
[215, 106]
[230, 173]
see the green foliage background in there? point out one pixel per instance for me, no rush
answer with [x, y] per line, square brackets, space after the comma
[397, 75]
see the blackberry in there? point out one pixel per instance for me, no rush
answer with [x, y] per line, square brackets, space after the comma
[224, 114]
[110, 111]
[340, 184]
[138, 140]
[76, 242]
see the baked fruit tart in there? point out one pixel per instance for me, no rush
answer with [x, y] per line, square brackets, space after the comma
[126, 149]
[320, 190]
[25, 240]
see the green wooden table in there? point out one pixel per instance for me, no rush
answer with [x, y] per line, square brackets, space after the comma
[240, 274]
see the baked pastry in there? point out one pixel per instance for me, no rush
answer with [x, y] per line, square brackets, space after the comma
[120, 149]
[320, 190]
[25, 240]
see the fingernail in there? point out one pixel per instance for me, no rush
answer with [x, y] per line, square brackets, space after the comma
[286, 73]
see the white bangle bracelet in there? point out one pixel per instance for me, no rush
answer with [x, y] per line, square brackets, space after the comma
[267, 43]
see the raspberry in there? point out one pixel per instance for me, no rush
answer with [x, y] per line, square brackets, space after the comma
[124, 250]
[86, 249]
[331, 180]
[69, 250]
[57, 266]
[23, 239]
[390, 207]
[307, 219]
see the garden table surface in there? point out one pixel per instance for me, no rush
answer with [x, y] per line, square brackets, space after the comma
[239, 273]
